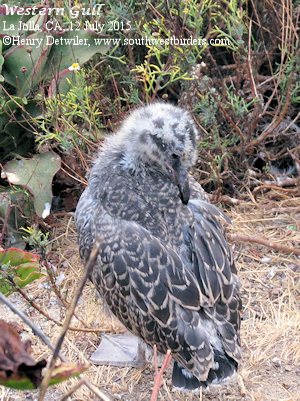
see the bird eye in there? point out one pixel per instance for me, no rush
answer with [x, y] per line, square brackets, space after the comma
[174, 156]
[159, 143]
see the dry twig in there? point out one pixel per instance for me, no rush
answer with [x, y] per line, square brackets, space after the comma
[35, 329]
[47, 316]
[38, 332]
[72, 390]
[88, 268]
[265, 242]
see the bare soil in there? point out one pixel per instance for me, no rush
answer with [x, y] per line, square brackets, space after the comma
[270, 370]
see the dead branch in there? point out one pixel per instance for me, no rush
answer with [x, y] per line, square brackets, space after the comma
[38, 332]
[96, 391]
[59, 296]
[228, 200]
[47, 316]
[275, 187]
[274, 124]
[88, 269]
[5, 223]
[35, 329]
[264, 242]
[72, 390]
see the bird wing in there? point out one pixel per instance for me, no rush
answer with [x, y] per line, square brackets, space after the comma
[210, 254]
[147, 272]
[84, 211]
[213, 265]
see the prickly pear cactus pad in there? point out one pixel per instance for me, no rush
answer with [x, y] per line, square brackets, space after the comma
[36, 175]
[1, 62]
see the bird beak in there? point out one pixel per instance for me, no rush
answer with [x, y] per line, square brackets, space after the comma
[183, 184]
[179, 176]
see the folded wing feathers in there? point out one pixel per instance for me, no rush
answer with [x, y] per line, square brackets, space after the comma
[212, 260]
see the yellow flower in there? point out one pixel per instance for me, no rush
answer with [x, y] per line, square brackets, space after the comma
[74, 67]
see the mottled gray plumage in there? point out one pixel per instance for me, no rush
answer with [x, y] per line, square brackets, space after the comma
[164, 267]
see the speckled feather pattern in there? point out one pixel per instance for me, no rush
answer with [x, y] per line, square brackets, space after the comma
[164, 268]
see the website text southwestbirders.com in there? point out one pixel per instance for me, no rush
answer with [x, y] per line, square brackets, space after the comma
[175, 41]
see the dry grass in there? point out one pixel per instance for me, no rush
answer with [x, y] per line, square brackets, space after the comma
[271, 323]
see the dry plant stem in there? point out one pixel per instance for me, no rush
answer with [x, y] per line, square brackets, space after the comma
[159, 376]
[201, 394]
[170, 398]
[47, 342]
[274, 124]
[5, 223]
[72, 176]
[249, 64]
[52, 281]
[230, 120]
[275, 187]
[29, 323]
[241, 385]
[42, 312]
[88, 269]
[57, 292]
[96, 391]
[265, 242]
[72, 390]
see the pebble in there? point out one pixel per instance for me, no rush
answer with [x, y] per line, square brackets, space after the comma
[276, 362]
[266, 259]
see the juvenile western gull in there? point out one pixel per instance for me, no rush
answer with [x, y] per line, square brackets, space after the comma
[164, 267]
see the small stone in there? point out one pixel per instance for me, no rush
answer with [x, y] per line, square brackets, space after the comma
[272, 272]
[266, 259]
[276, 362]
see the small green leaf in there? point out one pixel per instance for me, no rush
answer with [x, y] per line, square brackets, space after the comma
[15, 257]
[292, 227]
[17, 383]
[65, 371]
[22, 267]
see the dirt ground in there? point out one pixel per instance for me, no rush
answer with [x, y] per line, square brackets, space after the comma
[270, 369]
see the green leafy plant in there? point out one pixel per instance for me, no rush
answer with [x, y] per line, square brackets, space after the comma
[17, 268]
[66, 112]
[25, 72]
[36, 238]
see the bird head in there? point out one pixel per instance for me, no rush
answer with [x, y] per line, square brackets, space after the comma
[161, 137]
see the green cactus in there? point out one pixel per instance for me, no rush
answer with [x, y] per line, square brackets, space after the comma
[1, 63]
[24, 69]
[36, 176]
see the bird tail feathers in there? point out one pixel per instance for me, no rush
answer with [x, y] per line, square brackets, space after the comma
[225, 367]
